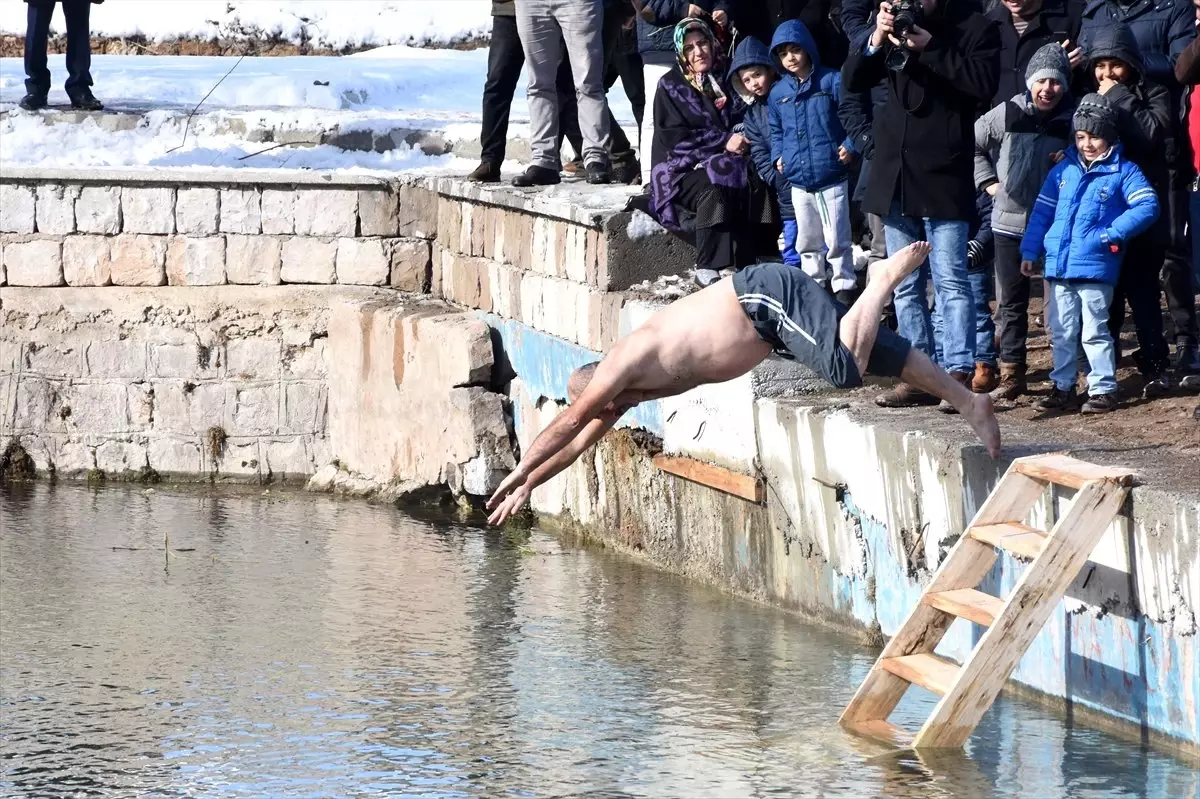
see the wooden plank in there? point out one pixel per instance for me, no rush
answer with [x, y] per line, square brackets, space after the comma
[720, 478]
[984, 673]
[1071, 472]
[966, 603]
[965, 565]
[882, 731]
[927, 670]
[1014, 537]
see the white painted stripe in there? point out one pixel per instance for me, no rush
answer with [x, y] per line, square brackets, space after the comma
[774, 305]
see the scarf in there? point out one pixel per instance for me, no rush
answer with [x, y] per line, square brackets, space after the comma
[704, 82]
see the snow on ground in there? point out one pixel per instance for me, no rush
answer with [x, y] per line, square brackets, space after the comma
[379, 90]
[334, 24]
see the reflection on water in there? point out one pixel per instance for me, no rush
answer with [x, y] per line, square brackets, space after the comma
[302, 646]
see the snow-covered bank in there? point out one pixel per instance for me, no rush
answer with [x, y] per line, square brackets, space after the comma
[333, 24]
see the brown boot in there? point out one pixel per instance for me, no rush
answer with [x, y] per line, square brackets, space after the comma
[1012, 382]
[965, 379]
[905, 396]
[986, 378]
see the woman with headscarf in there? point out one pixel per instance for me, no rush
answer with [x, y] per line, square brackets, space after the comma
[702, 178]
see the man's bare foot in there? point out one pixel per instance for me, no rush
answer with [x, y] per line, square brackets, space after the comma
[893, 269]
[979, 414]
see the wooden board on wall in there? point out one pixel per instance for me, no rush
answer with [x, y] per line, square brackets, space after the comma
[740, 485]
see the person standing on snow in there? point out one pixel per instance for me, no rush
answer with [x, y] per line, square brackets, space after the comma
[79, 54]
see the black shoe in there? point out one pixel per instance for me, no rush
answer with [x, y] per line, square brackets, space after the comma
[537, 176]
[1158, 383]
[86, 101]
[846, 296]
[1100, 403]
[486, 172]
[598, 174]
[1059, 400]
[33, 102]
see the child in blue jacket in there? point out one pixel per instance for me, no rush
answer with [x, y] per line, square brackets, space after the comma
[1091, 205]
[811, 151]
[753, 74]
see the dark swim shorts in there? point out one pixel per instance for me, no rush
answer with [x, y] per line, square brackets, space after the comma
[793, 314]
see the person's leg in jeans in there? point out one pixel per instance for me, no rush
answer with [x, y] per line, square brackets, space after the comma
[543, 45]
[1094, 299]
[912, 310]
[37, 39]
[568, 114]
[983, 282]
[810, 241]
[788, 253]
[952, 287]
[505, 59]
[582, 26]
[1064, 326]
[834, 205]
[79, 48]
[1012, 312]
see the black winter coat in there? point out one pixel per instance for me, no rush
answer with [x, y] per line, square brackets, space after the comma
[760, 18]
[925, 135]
[1057, 21]
[1162, 29]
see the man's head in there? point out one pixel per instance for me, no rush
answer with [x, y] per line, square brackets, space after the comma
[579, 379]
[1095, 124]
[794, 59]
[1047, 76]
[756, 79]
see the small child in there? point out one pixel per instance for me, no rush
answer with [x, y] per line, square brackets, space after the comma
[811, 150]
[1092, 204]
[753, 76]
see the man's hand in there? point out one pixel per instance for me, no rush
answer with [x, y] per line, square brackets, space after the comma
[510, 505]
[737, 144]
[695, 10]
[1106, 85]
[511, 486]
[844, 155]
[992, 189]
[1074, 56]
[884, 25]
[779, 166]
[721, 18]
[918, 39]
[1028, 269]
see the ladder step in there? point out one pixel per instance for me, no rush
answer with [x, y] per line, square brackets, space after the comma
[929, 671]
[1066, 471]
[967, 603]
[882, 731]
[1013, 537]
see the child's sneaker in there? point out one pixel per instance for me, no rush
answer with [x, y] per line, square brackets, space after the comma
[1059, 400]
[1100, 403]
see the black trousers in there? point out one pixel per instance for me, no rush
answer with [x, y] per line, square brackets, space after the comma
[1138, 285]
[1012, 301]
[729, 231]
[79, 50]
[505, 60]
[1177, 278]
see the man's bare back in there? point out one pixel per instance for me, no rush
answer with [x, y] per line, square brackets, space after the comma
[709, 337]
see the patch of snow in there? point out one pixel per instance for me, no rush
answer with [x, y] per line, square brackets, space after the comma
[643, 226]
[333, 24]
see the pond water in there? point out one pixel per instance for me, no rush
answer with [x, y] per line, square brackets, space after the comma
[233, 643]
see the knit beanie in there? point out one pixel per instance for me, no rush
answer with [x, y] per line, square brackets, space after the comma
[1097, 116]
[1050, 61]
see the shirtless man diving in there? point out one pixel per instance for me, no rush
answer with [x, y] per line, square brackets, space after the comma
[724, 331]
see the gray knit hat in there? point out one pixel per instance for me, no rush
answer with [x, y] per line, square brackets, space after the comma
[1097, 116]
[1050, 61]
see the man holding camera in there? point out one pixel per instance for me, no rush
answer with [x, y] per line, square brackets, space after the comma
[940, 60]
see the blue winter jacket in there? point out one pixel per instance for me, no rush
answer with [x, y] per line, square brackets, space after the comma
[1084, 213]
[805, 129]
[756, 125]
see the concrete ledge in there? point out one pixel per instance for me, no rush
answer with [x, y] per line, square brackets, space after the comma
[204, 177]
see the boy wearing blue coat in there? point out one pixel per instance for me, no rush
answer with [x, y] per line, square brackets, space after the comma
[811, 150]
[1091, 205]
[753, 74]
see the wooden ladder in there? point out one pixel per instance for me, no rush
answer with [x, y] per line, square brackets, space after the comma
[967, 691]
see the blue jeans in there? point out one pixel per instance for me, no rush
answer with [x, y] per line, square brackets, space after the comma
[1078, 313]
[790, 256]
[983, 288]
[947, 265]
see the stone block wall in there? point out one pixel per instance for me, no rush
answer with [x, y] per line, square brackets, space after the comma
[179, 233]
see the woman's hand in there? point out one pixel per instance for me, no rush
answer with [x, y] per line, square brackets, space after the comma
[737, 144]
[694, 10]
[885, 23]
[721, 18]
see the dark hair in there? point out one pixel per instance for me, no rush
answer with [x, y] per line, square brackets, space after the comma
[581, 377]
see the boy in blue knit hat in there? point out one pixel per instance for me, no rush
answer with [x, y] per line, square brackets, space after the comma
[753, 74]
[1091, 205]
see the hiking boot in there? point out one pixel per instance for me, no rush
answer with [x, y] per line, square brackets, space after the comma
[962, 378]
[986, 378]
[1186, 365]
[1158, 384]
[706, 277]
[626, 170]
[1012, 382]
[598, 173]
[33, 102]
[1058, 400]
[1100, 403]
[905, 396]
[486, 172]
[86, 101]
[573, 167]
[536, 176]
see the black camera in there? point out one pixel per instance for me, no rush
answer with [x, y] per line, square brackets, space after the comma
[908, 14]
